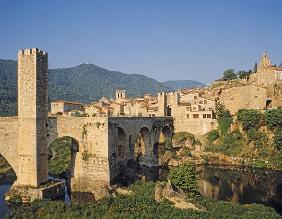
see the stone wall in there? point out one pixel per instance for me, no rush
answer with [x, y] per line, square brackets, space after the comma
[194, 126]
[91, 167]
[244, 97]
[9, 140]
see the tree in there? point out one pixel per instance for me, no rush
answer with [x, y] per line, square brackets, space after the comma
[243, 74]
[229, 74]
[255, 67]
[280, 65]
[184, 177]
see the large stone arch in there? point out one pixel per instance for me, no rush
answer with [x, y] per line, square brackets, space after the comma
[74, 149]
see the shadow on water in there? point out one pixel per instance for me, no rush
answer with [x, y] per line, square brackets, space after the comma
[241, 185]
[4, 208]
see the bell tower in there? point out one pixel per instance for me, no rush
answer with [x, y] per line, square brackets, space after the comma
[265, 60]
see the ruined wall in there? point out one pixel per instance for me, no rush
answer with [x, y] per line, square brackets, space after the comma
[267, 76]
[9, 140]
[195, 126]
[244, 97]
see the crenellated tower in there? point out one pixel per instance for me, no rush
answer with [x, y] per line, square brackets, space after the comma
[33, 115]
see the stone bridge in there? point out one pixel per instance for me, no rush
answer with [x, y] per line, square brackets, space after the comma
[103, 148]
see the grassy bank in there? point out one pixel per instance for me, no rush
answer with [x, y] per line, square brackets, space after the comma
[140, 205]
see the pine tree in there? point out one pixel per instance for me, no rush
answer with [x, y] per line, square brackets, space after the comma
[256, 67]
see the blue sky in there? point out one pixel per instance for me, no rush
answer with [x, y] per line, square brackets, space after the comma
[166, 40]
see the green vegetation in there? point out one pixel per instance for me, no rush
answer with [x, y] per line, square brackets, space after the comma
[278, 139]
[259, 142]
[224, 118]
[83, 83]
[229, 74]
[79, 114]
[213, 135]
[85, 156]
[60, 156]
[244, 74]
[249, 118]
[140, 204]
[258, 137]
[273, 118]
[180, 137]
[184, 177]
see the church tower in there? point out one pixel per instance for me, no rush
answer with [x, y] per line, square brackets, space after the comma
[265, 61]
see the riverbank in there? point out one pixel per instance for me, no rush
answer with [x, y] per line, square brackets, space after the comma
[140, 204]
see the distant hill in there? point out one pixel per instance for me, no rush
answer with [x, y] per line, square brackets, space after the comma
[83, 83]
[179, 84]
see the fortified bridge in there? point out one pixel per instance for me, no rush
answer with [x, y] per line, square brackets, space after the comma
[103, 148]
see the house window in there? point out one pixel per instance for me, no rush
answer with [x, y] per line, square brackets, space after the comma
[195, 116]
[208, 116]
[187, 116]
[204, 116]
[195, 97]
[187, 108]
[153, 115]
[205, 101]
[201, 102]
[194, 108]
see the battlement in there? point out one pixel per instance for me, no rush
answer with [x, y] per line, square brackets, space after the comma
[32, 51]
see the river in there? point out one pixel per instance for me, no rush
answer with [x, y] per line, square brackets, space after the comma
[239, 185]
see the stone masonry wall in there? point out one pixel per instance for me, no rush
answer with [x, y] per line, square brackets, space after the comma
[9, 140]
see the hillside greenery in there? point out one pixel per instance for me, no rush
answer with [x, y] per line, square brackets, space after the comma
[83, 83]
[254, 136]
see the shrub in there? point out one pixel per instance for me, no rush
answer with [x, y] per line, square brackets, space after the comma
[168, 144]
[221, 111]
[273, 118]
[213, 135]
[249, 118]
[224, 118]
[183, 136]
[224, 124]
[278, 139]
[258, 137]
[85, 156]
[184, 177]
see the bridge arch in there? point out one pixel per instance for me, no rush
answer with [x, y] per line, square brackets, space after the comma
[165, 134]
[9, 171]
[63, 152]
[121, 145]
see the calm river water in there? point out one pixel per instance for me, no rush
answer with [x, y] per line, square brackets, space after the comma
[242, 185]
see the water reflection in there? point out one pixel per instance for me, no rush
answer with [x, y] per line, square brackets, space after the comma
[4, 209]
[243, 185]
